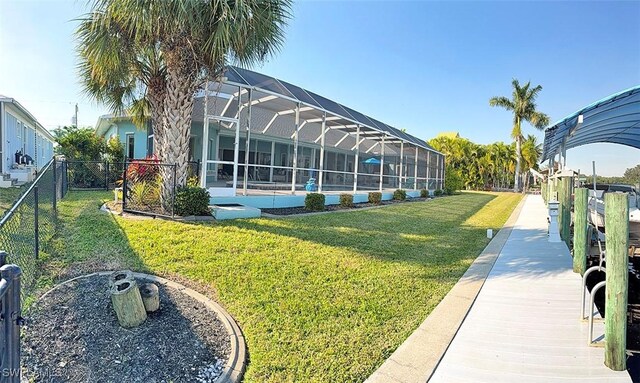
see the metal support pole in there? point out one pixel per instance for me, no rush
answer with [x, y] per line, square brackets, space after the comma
[205, 138]
[173, 195]
[438, 172]
[580, 231]
[55, 186]
[428, 170]
[415, 170]
[106, 175]
[236, 145]
[35, 222]
[322, 134]
[247, 147]
[382, 162]
[401, 160]
[616, 216]
[357, 159]
[295, 150]
[124, 187]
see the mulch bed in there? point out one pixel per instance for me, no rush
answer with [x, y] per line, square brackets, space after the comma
[72, 335]
[302, 210]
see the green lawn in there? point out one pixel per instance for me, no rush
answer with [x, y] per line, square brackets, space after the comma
[8, 196]
[319, 298]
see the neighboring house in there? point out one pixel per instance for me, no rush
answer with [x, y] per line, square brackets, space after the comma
[21, 133]
[283, 137]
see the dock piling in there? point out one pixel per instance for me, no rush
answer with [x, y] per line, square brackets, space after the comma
[580, 231]
[564, 218]
[617, 277]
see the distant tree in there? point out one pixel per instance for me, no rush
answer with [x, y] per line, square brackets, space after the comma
[632, 175]
[79, 143]
[523, 106]
[114, 150]
[531, 152]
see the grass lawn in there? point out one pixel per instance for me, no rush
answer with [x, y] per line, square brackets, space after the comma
[8, 196]
[319, 298]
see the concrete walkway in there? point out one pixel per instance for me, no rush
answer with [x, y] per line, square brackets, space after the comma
[524, 324]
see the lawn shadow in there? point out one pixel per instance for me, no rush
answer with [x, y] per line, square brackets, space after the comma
[415, 232]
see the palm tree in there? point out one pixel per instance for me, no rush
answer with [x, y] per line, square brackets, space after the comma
[185, 42]
[531, 152]
[523, 106]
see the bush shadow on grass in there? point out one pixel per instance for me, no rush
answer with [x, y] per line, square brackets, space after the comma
[421, 232]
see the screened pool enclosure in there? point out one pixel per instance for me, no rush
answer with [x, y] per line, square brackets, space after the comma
[257, 134]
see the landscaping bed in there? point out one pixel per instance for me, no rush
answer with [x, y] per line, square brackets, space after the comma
[303, 210]
[72, 335]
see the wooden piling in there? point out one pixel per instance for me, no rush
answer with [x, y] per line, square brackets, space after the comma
[580, 231]
[564, 216]
[616, 218]
[543, 191]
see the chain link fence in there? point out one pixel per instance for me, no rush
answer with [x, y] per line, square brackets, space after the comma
[32, 221]
[149, 187]
[93, 175]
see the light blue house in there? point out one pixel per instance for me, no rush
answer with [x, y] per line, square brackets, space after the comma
[258, 137]
[26, 145]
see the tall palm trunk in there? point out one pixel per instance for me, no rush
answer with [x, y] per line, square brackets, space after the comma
[516, 185]
[156, 96]
[176, 130]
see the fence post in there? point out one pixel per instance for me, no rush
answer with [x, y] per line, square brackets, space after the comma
[173, 197]
[55, 187]
[106, 175]
[66, 171]
[580, 229]
[124, 187]
[11, 312]
[35, 221]
[616, 217]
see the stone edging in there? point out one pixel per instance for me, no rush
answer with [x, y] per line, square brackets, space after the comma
[417, 357]
[236, 364]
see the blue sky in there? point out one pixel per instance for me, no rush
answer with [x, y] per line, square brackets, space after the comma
[424, 66]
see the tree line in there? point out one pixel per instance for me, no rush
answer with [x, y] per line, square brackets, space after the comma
[487, 167]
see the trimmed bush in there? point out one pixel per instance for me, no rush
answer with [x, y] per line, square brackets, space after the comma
[424, 193]
[400, 195]
[314, 202]
[346, 200]
[192, 200]
[437, 193]
[375, 198]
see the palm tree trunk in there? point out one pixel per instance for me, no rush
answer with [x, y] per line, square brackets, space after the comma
[156, 96]
[516, 185]
[176, 129]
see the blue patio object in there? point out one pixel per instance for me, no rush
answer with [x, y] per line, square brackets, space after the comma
[372, 161]
[311, 186]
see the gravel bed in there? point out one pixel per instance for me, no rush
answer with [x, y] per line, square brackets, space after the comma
[72, 335]
[302, 210]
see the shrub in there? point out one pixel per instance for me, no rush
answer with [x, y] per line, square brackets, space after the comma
[346, 200]
[400, 195]
[375, 198]
[424, 193]
[192, 200]
[314, 202]
[452, 180]
[144, 194]
[437, 193]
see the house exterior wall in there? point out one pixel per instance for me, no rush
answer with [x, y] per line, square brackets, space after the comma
[22, 133]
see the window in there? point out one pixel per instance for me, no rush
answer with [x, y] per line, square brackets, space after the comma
[130, 146]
